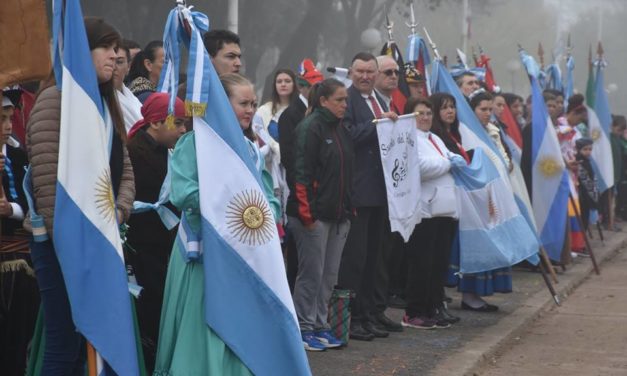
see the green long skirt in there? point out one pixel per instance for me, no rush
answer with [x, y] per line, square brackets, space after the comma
[187, 345]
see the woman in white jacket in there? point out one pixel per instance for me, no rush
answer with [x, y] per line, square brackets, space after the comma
[429, 247]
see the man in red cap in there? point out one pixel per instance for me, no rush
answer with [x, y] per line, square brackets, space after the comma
[308, 75]
[150, 235]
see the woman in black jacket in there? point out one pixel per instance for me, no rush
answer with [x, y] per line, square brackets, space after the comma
[319, 209]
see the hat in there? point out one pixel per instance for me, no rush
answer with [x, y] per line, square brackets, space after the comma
[156, 109]
[11, 96]
[308, 74]
[583, 142]
[412, 75]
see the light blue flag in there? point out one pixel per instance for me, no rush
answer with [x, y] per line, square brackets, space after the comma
[549, 176]
[247, 299]
[86, 235]
[554, 77]
[599, 124]
[570, 79]
[493, 233]
[475, 137]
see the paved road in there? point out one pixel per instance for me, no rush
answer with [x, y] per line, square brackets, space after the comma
[460, 349]
[587, 335]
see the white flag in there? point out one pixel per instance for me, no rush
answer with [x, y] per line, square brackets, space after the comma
[399, 157]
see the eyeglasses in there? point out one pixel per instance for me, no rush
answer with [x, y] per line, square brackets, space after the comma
[390, 72]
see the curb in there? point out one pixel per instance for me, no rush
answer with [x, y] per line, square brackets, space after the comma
[472, 356]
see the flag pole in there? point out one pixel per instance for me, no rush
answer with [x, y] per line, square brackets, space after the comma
[432, 44]
[549, 285]
[585, 236]
[547, 262]
[92, 364]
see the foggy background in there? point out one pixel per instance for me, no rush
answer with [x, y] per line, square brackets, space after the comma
[280, 33]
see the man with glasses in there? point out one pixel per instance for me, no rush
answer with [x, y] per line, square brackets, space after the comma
[364, 244]
[387, 81]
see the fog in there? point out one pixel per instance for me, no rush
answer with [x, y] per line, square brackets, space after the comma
[280, 33]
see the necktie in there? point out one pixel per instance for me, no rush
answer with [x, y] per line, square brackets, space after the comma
[375, 107]
[436, 145]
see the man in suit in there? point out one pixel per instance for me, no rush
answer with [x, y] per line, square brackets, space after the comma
[289, 119]
[364, 245]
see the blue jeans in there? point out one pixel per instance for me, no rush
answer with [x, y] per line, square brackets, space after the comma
[64, 353]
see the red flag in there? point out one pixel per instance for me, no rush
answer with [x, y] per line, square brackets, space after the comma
[484, 62]
[399, 96]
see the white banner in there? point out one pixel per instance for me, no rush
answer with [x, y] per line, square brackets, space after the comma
[399, 157]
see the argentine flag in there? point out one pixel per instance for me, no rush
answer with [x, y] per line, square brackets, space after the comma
[599, 123]
[549, 175]
[247, 299]
[475, 137]
[86, 236]
[492, 232]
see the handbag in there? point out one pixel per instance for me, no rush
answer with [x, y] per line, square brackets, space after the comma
[340, 313]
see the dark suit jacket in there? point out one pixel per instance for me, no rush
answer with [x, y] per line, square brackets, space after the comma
[288, 121]
[368, 182]
[19, 161]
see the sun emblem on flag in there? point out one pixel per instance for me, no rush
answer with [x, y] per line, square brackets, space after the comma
[249, 218]
[493, 211]
[595, 134]
[549, 167]
[105, 202]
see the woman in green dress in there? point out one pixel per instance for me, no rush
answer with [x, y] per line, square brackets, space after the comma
[187, 345]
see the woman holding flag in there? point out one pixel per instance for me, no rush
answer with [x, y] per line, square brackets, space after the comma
[187, 345]
[64, 352]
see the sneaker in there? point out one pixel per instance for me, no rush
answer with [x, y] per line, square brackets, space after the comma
[327, 339]
[311, 343]
[418, 322]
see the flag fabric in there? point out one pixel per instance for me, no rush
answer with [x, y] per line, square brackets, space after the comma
[86, 235]
[590, 85]
[599, 127]
[549, 176]
[400, 95]
[484, 62]
[492, 232]
[399, 158]
[570, 79]
[475, 137]
[553, 78]
[418, 56]
[246, 297]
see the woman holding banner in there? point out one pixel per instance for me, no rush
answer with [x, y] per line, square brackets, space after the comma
[428, 249]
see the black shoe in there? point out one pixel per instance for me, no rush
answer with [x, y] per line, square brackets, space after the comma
[484, 308]
[387, 323]
[358, 333]
[395, 301]
[376, 331]
[442, 314]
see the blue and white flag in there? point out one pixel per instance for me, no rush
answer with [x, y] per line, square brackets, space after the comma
[570, 79]
[549, 175]
[86, 235]
[554, 77]
[475, 137]
[247, 299]
[599, 124]
[492, 232]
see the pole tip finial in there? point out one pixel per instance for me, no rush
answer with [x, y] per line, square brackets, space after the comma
[600, 49]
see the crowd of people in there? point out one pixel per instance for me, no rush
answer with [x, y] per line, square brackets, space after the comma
[315, 146]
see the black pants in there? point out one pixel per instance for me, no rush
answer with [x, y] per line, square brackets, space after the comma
[291, 258]
[391, 272]
[360, 258]
[428, 252]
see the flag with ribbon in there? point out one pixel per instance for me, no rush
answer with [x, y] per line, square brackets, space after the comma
[400, 95]
[462, 67]
[418, 56]
[570, 79]
[549, 176]
[590, 83]
[553, 77]
[493, 233]
[399, 158]
[246, 297]
[86, 235]
[484, 62]
[599, 127]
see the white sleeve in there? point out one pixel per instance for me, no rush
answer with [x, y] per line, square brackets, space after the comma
[18, 213]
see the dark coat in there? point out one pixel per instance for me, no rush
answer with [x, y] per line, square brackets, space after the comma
[368, 182]
[288, 121]
[324, 170]
[19, 161]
